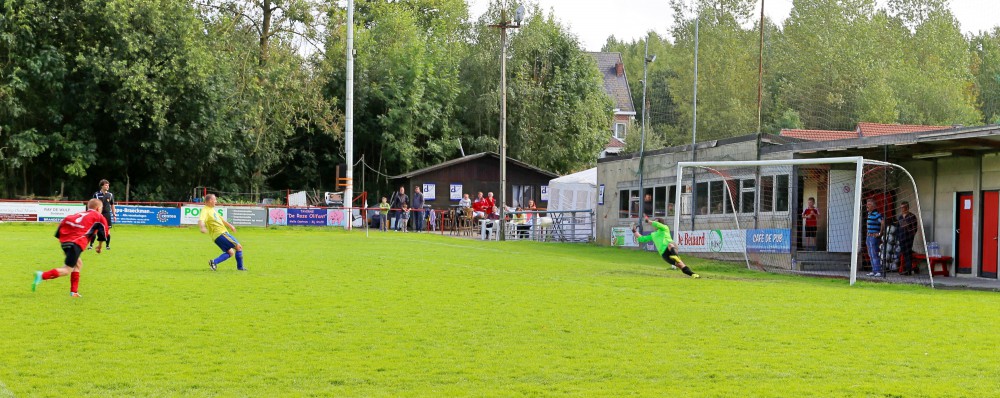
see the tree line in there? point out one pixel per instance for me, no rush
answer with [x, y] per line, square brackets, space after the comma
[829, 65]
[161, 96]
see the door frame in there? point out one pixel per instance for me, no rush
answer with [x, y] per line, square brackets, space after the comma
[955, 238]
[983, 235]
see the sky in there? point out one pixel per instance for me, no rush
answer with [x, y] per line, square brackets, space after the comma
[592, 21]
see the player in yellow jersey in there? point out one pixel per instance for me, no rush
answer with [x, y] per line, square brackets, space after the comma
[213, 224]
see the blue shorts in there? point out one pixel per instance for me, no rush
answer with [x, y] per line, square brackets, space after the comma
[226, 242]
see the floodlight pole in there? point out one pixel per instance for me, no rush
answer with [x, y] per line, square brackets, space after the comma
[642, 141]
[503, 26]
[349, 120]
[694, 134]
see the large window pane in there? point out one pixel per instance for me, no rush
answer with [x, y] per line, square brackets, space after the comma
[623, 200]
[671, 200]
[647, 201]
[781, 193]
[660, 201]
[715, 197]
[701, 204]
[747, 202]
[767, 193]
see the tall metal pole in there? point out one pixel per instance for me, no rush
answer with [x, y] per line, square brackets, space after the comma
[694, 128]
[642, 139]
[503, 126]
[760, 107]
[349, 117]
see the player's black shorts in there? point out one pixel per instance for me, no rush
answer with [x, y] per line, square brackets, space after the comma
[670, 256]
[810, 231]
[108, 217]
[72, 253]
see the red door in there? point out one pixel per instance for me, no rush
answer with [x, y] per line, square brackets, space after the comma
[991, 222]
[963, 234]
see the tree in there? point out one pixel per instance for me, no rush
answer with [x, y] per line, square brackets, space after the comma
[555, 97]
[986, 69]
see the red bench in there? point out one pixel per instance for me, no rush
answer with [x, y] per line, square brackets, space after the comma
[942, 261]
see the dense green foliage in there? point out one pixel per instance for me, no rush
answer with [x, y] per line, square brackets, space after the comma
[244, 96]
[830, 65]
[162, 96]
[365, 317]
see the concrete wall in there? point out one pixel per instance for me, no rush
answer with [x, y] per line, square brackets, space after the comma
[660, 170]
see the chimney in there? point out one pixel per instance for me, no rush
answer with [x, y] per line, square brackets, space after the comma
[620, 69]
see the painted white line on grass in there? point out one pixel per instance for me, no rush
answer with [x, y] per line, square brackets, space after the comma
[4, 392]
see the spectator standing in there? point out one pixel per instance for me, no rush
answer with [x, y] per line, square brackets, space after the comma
[907, 232]
[384, 213]
[405, 214]
[875, 225]
[398, 200]
[809, 217]
[417, 209]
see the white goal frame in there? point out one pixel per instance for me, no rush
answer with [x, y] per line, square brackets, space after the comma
[859, 161]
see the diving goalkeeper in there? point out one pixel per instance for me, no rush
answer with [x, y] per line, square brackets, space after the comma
[664, 243]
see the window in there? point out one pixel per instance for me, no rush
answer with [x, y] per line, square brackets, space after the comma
[647, 201]
[628, 203]
[522, 194]
[715, 197]
[619, 131]
[781, 193]
[701, 202]
[767, 193]
[747, 191]
[660, 201]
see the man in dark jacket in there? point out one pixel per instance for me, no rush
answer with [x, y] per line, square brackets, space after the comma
[397, 205]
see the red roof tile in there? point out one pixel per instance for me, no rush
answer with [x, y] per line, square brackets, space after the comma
[818, 135]
[876, 129]
[615, 143]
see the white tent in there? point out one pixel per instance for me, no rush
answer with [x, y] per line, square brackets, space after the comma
[577, 191]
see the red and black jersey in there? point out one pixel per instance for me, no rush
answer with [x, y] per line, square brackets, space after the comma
[80, 227]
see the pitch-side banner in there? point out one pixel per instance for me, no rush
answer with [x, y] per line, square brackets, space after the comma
[190, 214]
[769, 241]
[623, 237]
[148, 215]
[19, 211]
[247, 216]
[277, 216]
[55, 212]
[311, 216]
[708, 241]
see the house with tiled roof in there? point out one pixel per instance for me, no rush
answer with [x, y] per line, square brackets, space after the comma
[616, 85]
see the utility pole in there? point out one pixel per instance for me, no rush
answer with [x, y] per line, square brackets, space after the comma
[503, 26]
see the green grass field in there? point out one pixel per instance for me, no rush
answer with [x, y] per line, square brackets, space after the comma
[331, 313]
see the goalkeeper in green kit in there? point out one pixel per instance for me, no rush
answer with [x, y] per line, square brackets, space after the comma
[665, 245]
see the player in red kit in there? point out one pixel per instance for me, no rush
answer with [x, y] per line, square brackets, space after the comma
[74, 233]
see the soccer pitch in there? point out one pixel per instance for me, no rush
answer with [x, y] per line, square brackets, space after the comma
[325, 312]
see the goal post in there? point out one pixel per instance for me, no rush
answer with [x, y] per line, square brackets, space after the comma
[803, 216]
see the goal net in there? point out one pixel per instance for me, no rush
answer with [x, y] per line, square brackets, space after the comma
[837, 217]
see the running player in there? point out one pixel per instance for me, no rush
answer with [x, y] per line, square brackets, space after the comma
[665, 245]
[74, 232]
[211, 223]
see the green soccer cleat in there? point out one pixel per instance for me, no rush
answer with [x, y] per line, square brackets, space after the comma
[38, 280]
[75, 295]
[695, 276]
